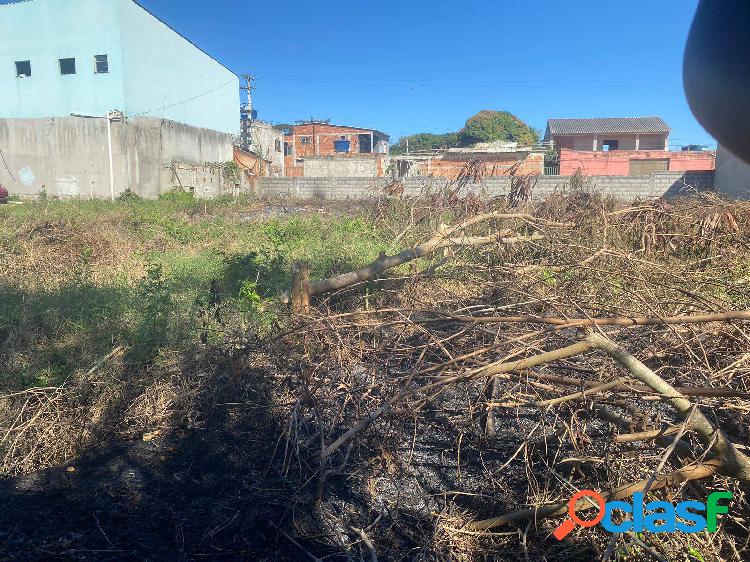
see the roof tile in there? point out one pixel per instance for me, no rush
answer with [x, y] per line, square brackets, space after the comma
[605, 125]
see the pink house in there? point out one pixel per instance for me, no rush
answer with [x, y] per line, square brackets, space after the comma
[634, 162]
[620, 146]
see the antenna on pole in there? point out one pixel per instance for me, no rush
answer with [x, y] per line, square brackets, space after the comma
[246, 110]
[248, 87]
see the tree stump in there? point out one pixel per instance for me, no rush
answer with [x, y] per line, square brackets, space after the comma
[300, 291]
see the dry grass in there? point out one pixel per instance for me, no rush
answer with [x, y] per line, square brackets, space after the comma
[427, 466]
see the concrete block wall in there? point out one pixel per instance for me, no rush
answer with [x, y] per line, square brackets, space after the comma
[626, 188]
[320, 188]
[69, 156]
[345, 165]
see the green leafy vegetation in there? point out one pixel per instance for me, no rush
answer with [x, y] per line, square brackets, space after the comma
[81, 277]
[485, 126]
[490, 126]
[425, 141]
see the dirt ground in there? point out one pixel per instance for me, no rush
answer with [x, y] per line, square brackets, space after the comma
[223, 490]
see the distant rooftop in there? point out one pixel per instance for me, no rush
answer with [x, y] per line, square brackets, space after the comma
[605, 125]
[329, 124]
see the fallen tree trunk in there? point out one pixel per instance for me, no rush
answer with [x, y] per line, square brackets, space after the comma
[388, 262]
[443, 238]
[703, 391]
[734, 463]
[683, 449]
[584, 322]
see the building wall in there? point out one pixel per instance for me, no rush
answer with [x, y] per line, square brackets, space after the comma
[168, 77]
[732, 175]
[657, 184]
[323, 137]
[625, 142]
[268, 143]
[44, 31]
[617, 163]
[69, 156]
[153, 71]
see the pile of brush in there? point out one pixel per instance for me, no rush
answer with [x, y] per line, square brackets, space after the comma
[446, 401]
[451, 398]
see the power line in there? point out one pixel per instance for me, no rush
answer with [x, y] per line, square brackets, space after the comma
[454, 82]
[184, 101]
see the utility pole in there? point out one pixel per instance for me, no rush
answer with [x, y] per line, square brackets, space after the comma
[112, 115]
[246, 111]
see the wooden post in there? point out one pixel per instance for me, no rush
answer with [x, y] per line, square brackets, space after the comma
[300, 288]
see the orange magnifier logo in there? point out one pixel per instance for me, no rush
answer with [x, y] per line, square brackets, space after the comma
[569, 524]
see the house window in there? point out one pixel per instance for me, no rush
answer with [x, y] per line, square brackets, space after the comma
[101, 64]
[305, 140]
[23, 68]
[608, 145]
[67, 66]
[278, 145]
[288, 149]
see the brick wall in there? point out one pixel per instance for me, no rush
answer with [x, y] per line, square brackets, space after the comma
[320, 142]
[450, 164]
[617, 163]
[625, 188]
[323, 135]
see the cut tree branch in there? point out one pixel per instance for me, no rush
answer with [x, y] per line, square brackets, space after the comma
[734, 462]
[703, 391]
[443, 238]
[491, 369]
[583, 322]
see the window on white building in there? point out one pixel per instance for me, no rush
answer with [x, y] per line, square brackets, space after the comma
[67, 66]
[101, 64]
[23, 68]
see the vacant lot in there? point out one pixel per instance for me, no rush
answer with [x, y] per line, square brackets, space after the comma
[160, 402]
[80, 278]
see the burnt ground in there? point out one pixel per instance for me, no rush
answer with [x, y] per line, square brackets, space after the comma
[224, 491]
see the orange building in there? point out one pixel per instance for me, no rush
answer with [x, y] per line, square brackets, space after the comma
[450, 163]
[334, 150]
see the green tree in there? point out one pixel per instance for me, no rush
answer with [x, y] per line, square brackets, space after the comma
[489, 126]
[425, 141]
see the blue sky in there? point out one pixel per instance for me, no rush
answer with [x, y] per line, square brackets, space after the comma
[417, 65]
